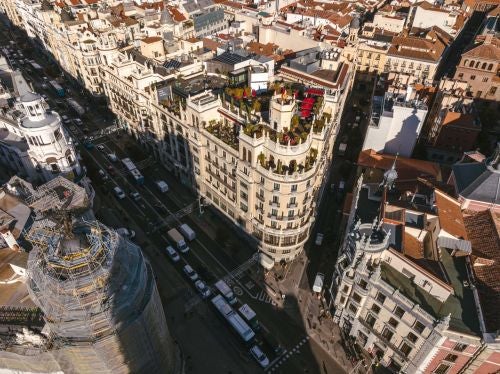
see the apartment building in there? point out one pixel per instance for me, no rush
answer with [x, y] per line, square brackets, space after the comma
[418, 55]
[479, 67]
[453, 124]
[404, 285]
[263, 175]
[33, 142]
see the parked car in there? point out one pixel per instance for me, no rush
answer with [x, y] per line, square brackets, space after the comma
[318, 282]
[111, 170]
[319, 239]
[259, 356]
[190, 273]
[202, 289]
[100, 147]
[172, 253]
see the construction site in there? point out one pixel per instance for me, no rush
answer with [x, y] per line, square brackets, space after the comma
[96, 292]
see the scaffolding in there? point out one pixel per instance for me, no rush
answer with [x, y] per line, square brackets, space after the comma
[97, 293]
[58, 194]
[98, 296]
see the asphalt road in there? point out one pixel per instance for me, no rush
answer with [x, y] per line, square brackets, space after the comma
[206, 341]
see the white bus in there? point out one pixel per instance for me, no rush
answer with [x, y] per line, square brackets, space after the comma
[238, 324]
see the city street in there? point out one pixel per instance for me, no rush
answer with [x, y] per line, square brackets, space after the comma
[218, 252]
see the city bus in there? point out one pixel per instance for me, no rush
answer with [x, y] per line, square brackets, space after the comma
[237, 323]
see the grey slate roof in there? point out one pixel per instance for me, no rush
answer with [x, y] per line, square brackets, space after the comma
[478, 181]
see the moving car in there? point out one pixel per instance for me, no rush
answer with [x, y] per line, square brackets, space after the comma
[172, 253]
[191, 274]
[103, 175]
[112, 157]
[136, 196]
[100, 147]
[119, 193]
[202, 288]
[259, 356]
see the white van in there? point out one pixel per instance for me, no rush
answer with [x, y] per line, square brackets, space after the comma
[187, 232]
[318, 282]
[162, 186]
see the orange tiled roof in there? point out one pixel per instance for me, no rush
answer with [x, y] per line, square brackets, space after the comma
[412, 246]
[176, 14]
[483, 229]
[450, 215]
[211, 44]
[457, 119]
[428, 6]
[151, 39]
[486, 51]
[407, 168]
[417, 48]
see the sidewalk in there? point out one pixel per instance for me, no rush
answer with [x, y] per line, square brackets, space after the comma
[319, 326]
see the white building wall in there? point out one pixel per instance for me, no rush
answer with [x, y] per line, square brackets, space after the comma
[427, 18]
[397, 131]
[376, 136]
[404, 131]
[389, 23]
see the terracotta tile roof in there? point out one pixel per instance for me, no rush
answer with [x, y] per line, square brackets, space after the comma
[408, 169]
[474, 155]
[483, 229]
[416, 48]
[151, 39]
[126, 20]
[462, 120]
[146, 5]
[487, 51]
[75, 2]
[211, 44]
[428, 6]
[176, 14]
[412, 247]
[450, 215]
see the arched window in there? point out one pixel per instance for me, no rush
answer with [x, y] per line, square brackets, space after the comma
[465, 62]
[490, 67]
[244, 154]
[471, 64]
[477, 64]
[483, 66]
[249, 156]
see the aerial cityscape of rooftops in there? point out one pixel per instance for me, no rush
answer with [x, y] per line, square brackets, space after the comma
[250, 186]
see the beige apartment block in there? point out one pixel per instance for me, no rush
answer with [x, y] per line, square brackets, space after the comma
[265, 183]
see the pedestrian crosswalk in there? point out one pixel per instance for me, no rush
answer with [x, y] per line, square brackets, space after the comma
[285, 356]
[264, 297]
